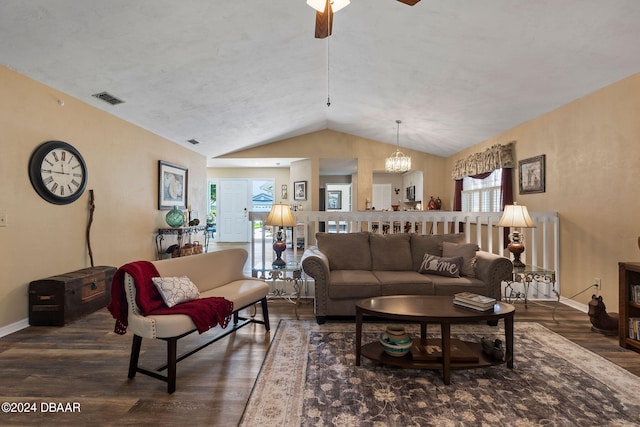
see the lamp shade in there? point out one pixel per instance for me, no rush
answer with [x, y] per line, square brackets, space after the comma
[516, 216]
[280, 216]
[336, 5]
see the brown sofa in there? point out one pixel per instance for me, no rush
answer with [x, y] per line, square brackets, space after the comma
[348, 267]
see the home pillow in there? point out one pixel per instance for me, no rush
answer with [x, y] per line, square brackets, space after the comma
[430, 243]
[467, 251]
[175, 290]
[441, 266]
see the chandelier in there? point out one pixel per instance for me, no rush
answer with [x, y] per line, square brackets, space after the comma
[397, 162]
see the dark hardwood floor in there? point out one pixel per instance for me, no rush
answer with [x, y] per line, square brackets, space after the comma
[86, 363]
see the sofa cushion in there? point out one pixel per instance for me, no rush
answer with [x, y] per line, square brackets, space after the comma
[441, 266]
[451, 286]
[467, 251]
[404, 283]
[346, 251]
[391, 252]
[353, 284]
[430, 243]
[176, 290]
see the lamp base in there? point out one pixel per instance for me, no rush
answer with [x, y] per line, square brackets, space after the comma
[279, 247]
[279, 263]
[516, 249]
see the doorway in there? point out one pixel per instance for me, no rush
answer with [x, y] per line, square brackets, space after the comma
[235, 198]
[233, 203]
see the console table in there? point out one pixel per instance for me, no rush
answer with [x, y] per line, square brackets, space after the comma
[180, 233]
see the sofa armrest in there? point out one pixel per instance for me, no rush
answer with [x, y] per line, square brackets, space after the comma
[316, 265]
[492, 269]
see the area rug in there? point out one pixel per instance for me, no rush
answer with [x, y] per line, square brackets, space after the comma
[309, 378]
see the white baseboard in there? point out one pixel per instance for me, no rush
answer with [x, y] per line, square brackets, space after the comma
[574, 304]
[14, 327]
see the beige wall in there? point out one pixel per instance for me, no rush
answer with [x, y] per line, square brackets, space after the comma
[592, 149]
[43, 239]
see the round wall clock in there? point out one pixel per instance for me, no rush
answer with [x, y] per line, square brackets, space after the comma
[58, 172]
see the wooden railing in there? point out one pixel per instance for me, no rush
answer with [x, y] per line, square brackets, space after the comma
[542, 242]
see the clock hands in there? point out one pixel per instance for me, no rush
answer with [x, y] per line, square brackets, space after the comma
[52, 171]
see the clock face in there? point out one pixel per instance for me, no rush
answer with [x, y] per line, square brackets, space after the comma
[58, 172]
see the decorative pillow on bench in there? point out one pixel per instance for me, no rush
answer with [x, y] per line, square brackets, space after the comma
[176, 290]
[449, 267]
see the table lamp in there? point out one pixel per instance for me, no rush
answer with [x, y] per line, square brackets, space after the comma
[516, 216]
[280, 216]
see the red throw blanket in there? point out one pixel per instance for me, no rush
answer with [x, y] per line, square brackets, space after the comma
[204, 312]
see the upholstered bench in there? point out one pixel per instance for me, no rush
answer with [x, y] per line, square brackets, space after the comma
[216, 274]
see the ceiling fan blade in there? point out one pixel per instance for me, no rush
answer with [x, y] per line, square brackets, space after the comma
[409, 2]
[324, 22]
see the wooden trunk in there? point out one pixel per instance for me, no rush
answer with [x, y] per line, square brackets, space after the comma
[58, 300]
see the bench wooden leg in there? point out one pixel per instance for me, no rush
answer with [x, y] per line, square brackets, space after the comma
[172, 362]
[135, 355]
[265, 313]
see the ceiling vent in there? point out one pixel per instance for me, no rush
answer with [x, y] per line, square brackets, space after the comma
[193, 141]
[107, 97]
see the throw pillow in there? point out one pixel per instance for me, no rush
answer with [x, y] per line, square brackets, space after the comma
[467, 251]
[430, 243]
[175, 290]
[449, 267]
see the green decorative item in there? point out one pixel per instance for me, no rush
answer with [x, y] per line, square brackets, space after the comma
[175, 217]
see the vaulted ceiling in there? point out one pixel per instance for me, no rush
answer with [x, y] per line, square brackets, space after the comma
[238, 74]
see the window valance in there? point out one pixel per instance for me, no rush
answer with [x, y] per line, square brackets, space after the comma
[496, 157]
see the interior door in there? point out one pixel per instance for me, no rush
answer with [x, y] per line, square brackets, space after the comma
[234, 202]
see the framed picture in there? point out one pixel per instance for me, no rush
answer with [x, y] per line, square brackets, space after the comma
[531, 174]
[300, 190]
[172, 186]
[284, 195]
[334, 199]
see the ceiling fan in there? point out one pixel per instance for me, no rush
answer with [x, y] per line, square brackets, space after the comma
[326, 8]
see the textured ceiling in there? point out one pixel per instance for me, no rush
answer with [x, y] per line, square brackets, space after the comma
[238, 74]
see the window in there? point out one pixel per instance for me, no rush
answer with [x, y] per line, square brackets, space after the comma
[482, 195]
[262, 195]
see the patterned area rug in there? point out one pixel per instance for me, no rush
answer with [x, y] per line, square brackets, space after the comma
[309, 378]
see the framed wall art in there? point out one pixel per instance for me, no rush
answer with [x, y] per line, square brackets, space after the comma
[300, 190]
[172, 186]
[334, 199]
[285, 194]
[531, 174]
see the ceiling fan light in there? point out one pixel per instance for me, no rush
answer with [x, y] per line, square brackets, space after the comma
[336, 5]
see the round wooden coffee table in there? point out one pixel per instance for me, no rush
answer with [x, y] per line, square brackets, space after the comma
[425, 309]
